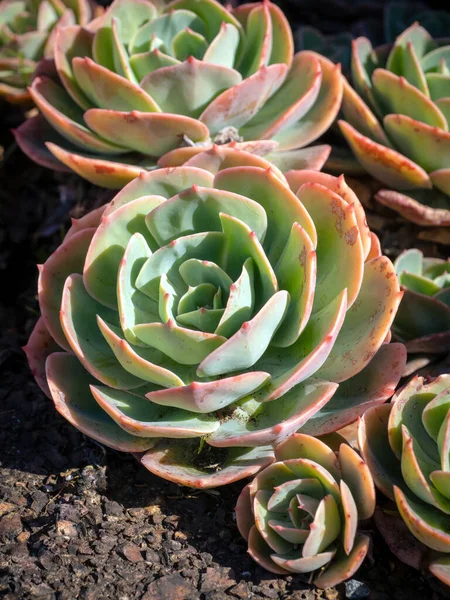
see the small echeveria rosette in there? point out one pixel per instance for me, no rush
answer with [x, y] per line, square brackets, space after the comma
[397, 119]
[301, 513]
[209, 311]
[422, 321]
[27, 34]
[143, 80]
[406, 445]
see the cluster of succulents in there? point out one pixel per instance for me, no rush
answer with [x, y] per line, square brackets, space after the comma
[27, 34]
[230, 311]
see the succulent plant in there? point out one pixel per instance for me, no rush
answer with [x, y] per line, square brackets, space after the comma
[423, 318]
[141, 81]
[201, 324]
[397, 122]
[300, 514]
[27, 34]
[406, 446]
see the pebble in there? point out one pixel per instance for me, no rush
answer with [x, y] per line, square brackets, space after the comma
[356, 590]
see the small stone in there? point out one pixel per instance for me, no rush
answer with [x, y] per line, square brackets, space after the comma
[40, 499]
[6, 507]
[216, 578]
[240, 590]
[179, 535]
[354, 590]
[170, 586]
[66, 529]
[132, 553]
[10, 525]
[152, 556]
[23, 537]
[153, 509]
[113, 508]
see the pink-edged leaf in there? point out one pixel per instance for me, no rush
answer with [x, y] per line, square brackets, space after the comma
[39, 346]
[358, 479]
[79, 313]
[180, 156]
[74, 401]
[109, 90]
[373, 385]
[290, 102]
[74, 41]
[373, 443]
[383, 163]
[412, 210]
[343, 567]
[166, 182]
[90, 219]
[109, 244]
[247, 345]
[244, 513]
[210, 396]
[340, 255]
[312, 158]
[237, 105]
[67, 259]
[152, 134]
[267, 189]
[357, 343]
[261, 552]
[339, 186]
[218, 158]
[375, 247]
[187, 88]
[311, 349]
[323, 112]
[256, 424]
[136, 415]
[105, 173]
[31, 136]
[440, 567]
[177, 461]
[62, 114]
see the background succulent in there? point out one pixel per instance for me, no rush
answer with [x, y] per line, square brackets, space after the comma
[27, 34]
[301, 513]
[423, 318]
[406, 446]
[201, 316]
[396, 122]
[140, 81]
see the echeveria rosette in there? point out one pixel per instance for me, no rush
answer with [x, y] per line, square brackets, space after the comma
[211, 311]
[422, 321]
[27, 34]
[140, 81]
[300, 514]
[397, 122]
[405, 443]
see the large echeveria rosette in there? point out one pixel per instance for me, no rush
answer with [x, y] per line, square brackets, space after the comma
[141, 81]
[300, 514]
[397, 122]
[27, 34]
[210, 312]
[406, 445]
